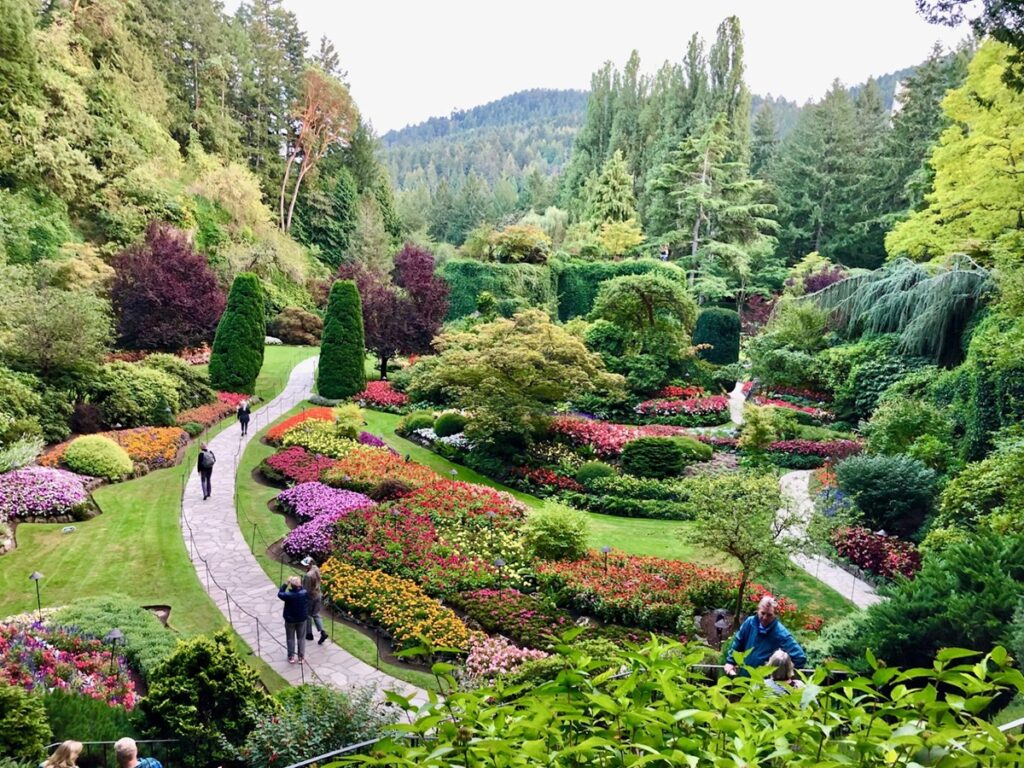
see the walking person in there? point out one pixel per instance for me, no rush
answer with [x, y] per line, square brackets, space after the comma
[296, 613]
[244, 413]
[315, 599]
[205, 467]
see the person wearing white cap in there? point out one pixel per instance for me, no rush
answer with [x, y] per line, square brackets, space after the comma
[311, 581]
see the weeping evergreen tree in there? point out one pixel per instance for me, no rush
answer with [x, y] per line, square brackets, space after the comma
[930, 310]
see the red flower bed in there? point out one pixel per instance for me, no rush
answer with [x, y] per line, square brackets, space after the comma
[233, 398]
[715, 405]
[818, 413]
[747, 386]
[295, 465]
[829, 449]
[606, 439]
[545, 479]
[364, 468]
[882, 555]
[797, 392]
[647, 592]
[675, 393]
[275, 433]
[454, 500]
[196, 355]
[380, 395]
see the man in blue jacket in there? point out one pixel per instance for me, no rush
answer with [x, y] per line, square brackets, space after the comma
[762, 635]
[295, 614]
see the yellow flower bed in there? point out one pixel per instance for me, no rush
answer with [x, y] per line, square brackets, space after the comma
[156, 447]
[399, 606]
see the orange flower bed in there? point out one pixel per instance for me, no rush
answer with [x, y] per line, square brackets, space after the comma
[275, 433]
[365, 467]
[207, 415]
[155, 447]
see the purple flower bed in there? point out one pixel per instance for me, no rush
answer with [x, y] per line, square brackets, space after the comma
[365, 438]
[314, 538]
[40, 492]
[310, 500]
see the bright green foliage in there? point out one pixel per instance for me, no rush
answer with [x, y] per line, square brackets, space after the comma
[521, 244]
[964, 596]
[206, 694]
[655, 457]
[694, 450]
[557, 532]
[342, 348]
[415, 420]
[98, 456]
[657, 313]
[448, 424]
[592, 470]
[579, 281]
[312, 720]
[894, 493]
[31, 230]
[993, 486]
[516, 286]
[348, 420]
[610, 197]
[758, 430]
[509, 373]
[899, 423]
[238, 346]
[130, 394]
[192, 383]
[23, 727]
[721, 329]
[71, 715]
[19, 404]
[975, 201]
[619, 238]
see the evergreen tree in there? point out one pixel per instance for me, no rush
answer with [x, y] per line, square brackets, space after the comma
[610, 198]
[764, 143]
[342, 347]
[328, 211]
[237, 355]
[627, 137]
[592, 141]
[721, 329]
[370, 244]
[728, 91]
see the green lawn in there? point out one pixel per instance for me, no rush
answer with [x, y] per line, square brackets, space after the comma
[659, 538]
[135, 547]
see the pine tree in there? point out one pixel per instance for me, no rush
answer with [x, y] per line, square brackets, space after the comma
[370, 244]
[611, 196]
[237, 355]
[765, 142]
[327, 212]
[342, 347]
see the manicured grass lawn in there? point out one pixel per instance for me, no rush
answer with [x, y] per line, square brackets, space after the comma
[251, 505]
[658, 538]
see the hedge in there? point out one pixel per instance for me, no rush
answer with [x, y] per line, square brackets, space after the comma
[721, 329]
[516, 286]
[237, 355]
[578, 281]
[342, 347]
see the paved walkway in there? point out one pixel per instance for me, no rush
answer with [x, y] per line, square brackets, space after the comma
[794, 488]
[234, 579]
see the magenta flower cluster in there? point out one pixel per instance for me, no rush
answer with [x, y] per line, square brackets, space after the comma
[310, 500]
[40, 492]
[366, 438]
[297, 465]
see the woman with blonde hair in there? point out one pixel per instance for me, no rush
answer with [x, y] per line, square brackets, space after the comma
[64, 756]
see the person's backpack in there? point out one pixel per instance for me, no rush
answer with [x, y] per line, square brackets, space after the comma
[207, 459]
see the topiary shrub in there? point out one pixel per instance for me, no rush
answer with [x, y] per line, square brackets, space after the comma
[655, 457]
[449, 424]
[24, 731]
[894, 493]
[721, 329]
[593, 470]
[98, 456]
[237, 355]
[295, 325]
[556, 532]
[694, 450]
[342, 347]
[415, 420]
[130, 395]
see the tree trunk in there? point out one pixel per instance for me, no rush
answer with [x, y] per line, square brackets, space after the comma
[384, 367]
[303, 170]
[284, 186]
[739, 600]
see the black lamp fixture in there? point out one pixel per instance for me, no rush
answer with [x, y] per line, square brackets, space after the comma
[115, 637]
[500, 564]
[604, 551]
[36, 576]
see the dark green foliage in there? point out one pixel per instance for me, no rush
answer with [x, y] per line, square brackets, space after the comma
[515, 286]
[147, 644]
[193, 383]
[894, 493]
[993, 485]
[721, 329]
[342, 347]
[963, 597]
[448, 424]
[23, 728]
[578, 281]
[592, 470]
[693, 450]
[415, 420]
[207, 695]
[653, 457]
[73, 715]
[238, 346]
[194, 428]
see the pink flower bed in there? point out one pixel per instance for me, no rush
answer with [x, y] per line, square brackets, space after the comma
[672, 392]
[606, 439]
[40, 492]
[380, 395]
[803, 394]
[492, 656]
[297, 465]
[233, 398]
[829, 449]
[715, 405]
[546, 478]
[882, 555]
[818, 413]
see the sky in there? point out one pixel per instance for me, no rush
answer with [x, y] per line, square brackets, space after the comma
[408, 61]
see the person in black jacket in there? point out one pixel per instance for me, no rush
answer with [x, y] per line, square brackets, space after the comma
[243, 416]
[295, 614]
[205, 467]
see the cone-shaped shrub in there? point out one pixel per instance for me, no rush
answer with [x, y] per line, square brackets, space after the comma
[238, 346]
[342, 348]
[721, 329]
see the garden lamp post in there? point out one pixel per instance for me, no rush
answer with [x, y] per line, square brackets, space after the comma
[36, 576]
[454, 473]
[115, 637]
[605, 550]
[500, 563]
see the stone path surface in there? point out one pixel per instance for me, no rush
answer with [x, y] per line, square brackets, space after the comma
[234, 579]
[794, 487]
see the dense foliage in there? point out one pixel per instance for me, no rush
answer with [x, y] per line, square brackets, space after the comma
[238, 346]
[341, 372]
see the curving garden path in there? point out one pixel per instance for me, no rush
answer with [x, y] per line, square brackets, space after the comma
[234, 579]
[794, 487]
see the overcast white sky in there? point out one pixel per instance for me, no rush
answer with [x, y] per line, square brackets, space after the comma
[408, 61]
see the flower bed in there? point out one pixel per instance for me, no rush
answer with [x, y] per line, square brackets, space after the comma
[492, 656]
[604, 438]
[38, 658]
[693, 412]
[517, 616]
[647, 592]
[817, 413]
[467, 503]
[398, 606]
[35, 492]
[156, 447]
[295, 465]
[805, 454]
[543, 481]
[885, 556]
[798, 393]
[380, 396]
[364, 468]
[315, 538]
[276, 432]
[319, 436]
[366, 438]
[309, 500]
[679, 393]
